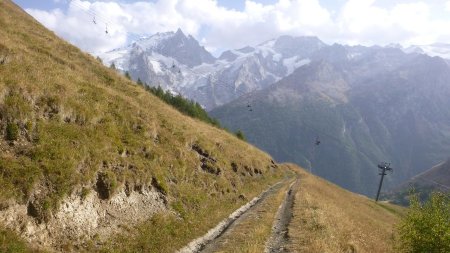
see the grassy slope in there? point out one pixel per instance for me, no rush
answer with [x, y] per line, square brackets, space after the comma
[435, 179]
[75, 118]
[328, 218]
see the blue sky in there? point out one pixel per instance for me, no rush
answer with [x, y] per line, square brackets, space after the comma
[232, 4]
[226, 24]
[51, 4]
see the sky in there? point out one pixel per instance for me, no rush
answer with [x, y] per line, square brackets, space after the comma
[231, 24]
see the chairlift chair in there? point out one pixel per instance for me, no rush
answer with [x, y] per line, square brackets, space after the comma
[317, 141]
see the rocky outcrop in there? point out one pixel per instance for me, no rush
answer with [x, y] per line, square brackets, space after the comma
[84, 215]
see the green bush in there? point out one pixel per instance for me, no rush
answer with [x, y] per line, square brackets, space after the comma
[426, 227]
[12, 131]
[240, 135]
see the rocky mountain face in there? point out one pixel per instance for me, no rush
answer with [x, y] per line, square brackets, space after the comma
[180, 64]
[364, 105]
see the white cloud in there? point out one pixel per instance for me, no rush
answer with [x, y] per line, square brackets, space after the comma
[447, 6]
[77, 25]
[358, 21]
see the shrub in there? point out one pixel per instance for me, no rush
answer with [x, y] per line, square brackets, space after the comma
[12, 131]
[139, 82]
[426, 227]
[240, 135]
[127, 75]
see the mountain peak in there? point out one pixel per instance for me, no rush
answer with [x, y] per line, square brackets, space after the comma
[179, 34]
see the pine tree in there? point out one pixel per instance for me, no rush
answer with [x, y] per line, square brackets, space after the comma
[127, 75]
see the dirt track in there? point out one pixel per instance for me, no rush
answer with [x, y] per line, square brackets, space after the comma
[217, 238]
[278, 240]
[213, 237]
[216, 244]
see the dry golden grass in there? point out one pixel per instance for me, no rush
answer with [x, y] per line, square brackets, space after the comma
[76, 118]
[328, 218]
[251, 234]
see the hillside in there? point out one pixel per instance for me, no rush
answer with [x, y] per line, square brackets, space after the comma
[365, 105]
[89, 157]
[327, 218]
[436, 178]
[311, 215]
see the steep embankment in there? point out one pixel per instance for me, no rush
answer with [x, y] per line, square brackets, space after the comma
[91, 161]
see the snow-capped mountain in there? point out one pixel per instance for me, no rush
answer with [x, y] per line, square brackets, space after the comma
[437, 49]
[165, 59]
[178, 63]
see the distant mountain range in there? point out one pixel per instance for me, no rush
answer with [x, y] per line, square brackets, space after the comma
[365, 104]
[177, 62]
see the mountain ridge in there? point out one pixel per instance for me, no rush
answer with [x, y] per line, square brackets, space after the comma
[381, 104]
[235, 72]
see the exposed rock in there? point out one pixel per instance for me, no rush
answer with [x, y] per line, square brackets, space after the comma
[80, 218]
[248, 170]
[242, 197]
[208, 163]
[234, 167]
[159, 186]
[106, 184]
[203, 152]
